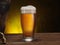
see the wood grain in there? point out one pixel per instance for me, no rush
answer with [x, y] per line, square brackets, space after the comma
[41, 39]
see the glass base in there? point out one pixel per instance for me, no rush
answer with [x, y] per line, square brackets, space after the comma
[28, 39]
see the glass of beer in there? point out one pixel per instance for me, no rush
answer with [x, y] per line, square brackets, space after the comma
[27, 22]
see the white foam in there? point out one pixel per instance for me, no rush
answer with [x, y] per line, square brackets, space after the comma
[28, 9]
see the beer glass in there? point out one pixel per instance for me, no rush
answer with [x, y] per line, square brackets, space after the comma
[4, 7]
[27, 22]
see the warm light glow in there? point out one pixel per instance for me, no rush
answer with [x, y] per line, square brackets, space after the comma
[13, 25]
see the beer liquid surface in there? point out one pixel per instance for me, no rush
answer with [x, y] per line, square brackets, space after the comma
[27, 24]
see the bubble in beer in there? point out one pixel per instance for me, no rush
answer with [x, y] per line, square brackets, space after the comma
[28, 9]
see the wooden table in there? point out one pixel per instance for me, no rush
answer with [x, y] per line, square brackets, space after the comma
[41, 39]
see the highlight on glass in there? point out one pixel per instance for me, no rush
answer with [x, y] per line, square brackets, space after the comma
[27, 22]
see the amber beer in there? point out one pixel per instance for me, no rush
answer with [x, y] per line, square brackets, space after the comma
[27, 21]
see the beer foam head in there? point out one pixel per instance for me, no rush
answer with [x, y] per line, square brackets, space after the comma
[28, 9]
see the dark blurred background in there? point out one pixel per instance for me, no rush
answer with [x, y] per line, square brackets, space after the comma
[47, 18]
